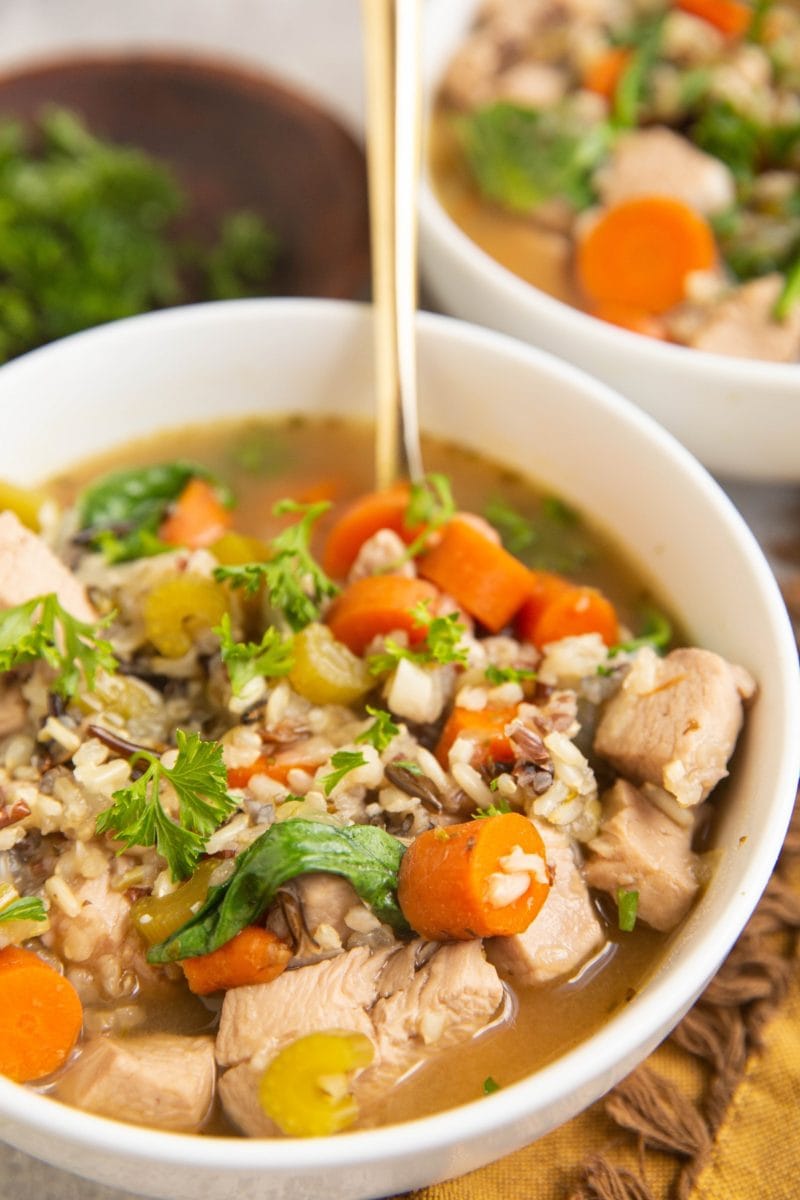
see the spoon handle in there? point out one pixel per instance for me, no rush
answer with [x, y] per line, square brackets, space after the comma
[391, 32]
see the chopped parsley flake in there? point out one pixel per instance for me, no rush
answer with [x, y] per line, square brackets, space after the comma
[343, 762]
[381, 731]
[627, 907]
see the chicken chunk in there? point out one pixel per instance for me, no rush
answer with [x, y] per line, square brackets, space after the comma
[657, 161]
[675, 720]
[28, 568]
[639, 848]
[410, 1003]
[162, 1080]
[742, 324]
[566, 931]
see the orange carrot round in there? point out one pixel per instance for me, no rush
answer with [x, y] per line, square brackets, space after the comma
[639, 253]
[448, 878]
[488, 582]
[485, 728]
[378, 604]
[605, 70]
[40, 1016]
[731, 17]
[573, 612]
[254, 955]
[198, 517]
[366, 515]
[544, 587]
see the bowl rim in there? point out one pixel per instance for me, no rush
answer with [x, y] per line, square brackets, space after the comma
[436, 223]
[621, 1036]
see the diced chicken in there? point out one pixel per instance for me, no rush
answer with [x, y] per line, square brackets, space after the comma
[675, 720]
[469, 81]
[29, 568]
[566, 931]
[657, 161]
[162, 1080]
[742, 324]
[238, 1091]
[411, 1003]
[639, 848]
[13, 710]
[382, 552]
[419, 693]
[535, 85]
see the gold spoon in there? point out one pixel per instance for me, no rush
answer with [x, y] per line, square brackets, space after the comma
[391, 36]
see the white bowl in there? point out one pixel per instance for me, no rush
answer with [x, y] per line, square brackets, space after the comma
[82, 395]
[740, 417]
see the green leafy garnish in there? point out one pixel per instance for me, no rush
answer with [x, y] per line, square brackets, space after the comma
[271, 657]
[442, 644]
[552, 540]
[363, 854]
[627, 908]
[409, 765]
[121, 513]
[632, 87]
[493, 810]
[490, 1085]
[381, 731]
[26, 908]
[431, 504]
[747, 145]
[790, 293]
[521, 157]
[137, 816]
[343, 762]
[88, 233]
[500, 675]
[297, 585]
[42, 629]
[656, 632]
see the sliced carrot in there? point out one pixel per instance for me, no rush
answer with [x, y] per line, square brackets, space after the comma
[198, 517]
[378, 604]
[731, 17]
[366, 515]
[277, 768]
[488, 582]
[573, 612]
[254, 955]
[605, 70]
[544, 587]
[40, 1016]
[639, 253]
[448, 874]
[485, 728]
[636, 320]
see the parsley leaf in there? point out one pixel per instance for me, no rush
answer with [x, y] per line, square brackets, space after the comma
[270, 657]
[409, 765]
[627, 907]
[381, 731]
[490, 1085]
[26, 908]
[499, 675]
[296, 583]
[431, 504]
[656, 632]
[42, 629]
[137, 816]
[494, 810]
[442, 643]
[121, 513]
[343, 762]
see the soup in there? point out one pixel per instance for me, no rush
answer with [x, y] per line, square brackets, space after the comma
[640, 162]
[312, 800]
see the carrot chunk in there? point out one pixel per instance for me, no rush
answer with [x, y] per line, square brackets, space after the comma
[198, 517]
[639, 253]
[573, 612]
[488, 582]
[378, 604]
[40, 1016]
[544, 587]
[731, 17]
[452, 879]
[604, 71]
[636, 320]
[254, 955]
[366, 515]
[485, 728]
[277, 767]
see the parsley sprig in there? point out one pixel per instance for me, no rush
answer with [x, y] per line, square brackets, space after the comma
[382, 730]
[271, 657]
[297, 585]
[499, 675]
[138, 818]
[442, 643]
[430, 504]
[42, 629]
[343, 762]
[26, 908]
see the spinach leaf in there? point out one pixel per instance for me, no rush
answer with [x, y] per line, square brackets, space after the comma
[363, 854]
[121, 513]
[521, 157]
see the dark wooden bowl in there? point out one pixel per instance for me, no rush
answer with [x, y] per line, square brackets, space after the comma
[235, 139]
